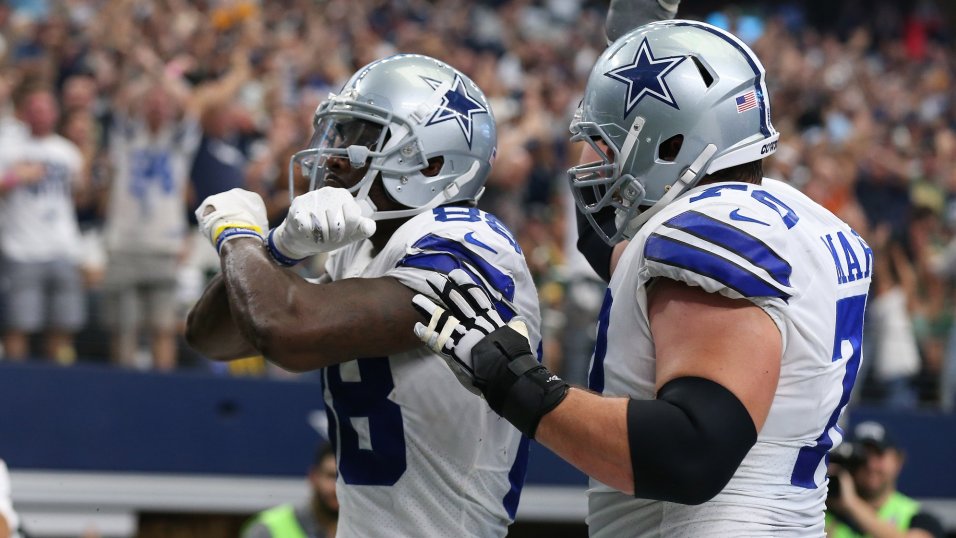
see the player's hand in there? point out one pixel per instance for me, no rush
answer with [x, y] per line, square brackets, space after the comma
[320, 221]
[470, 316]
[232, 214]
[487, 354]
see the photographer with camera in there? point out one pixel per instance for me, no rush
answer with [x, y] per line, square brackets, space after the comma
[863, 501]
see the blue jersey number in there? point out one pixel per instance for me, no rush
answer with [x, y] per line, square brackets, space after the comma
[472, 214]
[849, 328]
[786, 214]
[367, 426]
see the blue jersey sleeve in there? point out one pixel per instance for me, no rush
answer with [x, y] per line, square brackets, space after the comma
[727, 248]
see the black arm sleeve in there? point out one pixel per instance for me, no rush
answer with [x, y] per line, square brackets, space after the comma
[687, 444]
[595, 250]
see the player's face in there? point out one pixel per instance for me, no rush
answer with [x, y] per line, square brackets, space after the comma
[340, 134]
[341, 173]
[878, 473]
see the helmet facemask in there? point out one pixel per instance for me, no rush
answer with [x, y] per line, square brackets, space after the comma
[363, 134]
[424, 131]
[598, 185]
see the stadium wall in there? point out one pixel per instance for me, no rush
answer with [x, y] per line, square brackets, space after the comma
[91, 445]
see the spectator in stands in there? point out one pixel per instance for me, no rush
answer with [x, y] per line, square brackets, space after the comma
[868, 503]
[154, 138]
[317, 519]
[39, 236]
[864, 93]
[896, 354]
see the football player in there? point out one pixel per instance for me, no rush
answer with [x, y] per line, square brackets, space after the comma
[729, 339]
[399, 157]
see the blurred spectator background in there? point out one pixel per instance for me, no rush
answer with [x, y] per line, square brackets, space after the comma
[164, 102]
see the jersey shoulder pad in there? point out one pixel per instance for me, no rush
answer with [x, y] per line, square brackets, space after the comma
[449, 238]
[733, 245]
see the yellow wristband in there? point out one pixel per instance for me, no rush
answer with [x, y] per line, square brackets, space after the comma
[228, 225]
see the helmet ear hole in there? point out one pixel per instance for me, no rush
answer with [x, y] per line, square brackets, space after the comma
[435, 164]
[704, 73]
[669, 148]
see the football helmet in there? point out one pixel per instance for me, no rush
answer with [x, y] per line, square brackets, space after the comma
[664, 85]
[394, 115]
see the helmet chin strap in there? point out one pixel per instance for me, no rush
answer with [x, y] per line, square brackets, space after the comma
[688, 179]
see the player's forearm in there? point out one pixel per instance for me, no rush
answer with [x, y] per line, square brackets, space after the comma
[261, 297]
[590, 432]
[210, 328]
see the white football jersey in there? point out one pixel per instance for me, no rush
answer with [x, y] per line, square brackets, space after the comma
[810, 273]
[418, 455]
[38, 221]
[147, 204]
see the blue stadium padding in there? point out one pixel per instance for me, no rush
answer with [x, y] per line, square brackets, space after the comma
[98, 418]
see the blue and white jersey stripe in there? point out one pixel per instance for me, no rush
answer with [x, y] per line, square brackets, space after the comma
[435, 253]
[726, 253]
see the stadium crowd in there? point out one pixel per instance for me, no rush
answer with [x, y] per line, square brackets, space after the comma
[162, 103]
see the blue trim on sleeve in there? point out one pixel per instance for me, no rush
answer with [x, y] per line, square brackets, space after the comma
[735, 240]
[502, 283]
[443, 262]
[443, 255]
[679, 254]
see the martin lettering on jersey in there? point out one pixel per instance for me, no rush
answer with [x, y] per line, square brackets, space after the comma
[847, 255]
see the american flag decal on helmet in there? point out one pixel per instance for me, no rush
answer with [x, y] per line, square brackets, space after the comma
[746, 101]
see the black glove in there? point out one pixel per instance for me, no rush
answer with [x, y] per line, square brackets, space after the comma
[485, 353]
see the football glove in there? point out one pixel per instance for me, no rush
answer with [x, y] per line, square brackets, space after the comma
[232, 214]
[486, 353]
[320, 221]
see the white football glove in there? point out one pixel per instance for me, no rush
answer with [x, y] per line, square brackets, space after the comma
[320, 221]
[235, 213]
[470, 316]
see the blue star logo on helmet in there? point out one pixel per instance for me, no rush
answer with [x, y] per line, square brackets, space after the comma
[456, 105]
[644, 77]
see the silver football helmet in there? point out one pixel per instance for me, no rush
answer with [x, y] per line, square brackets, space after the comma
[663, 85]
[394, 115]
